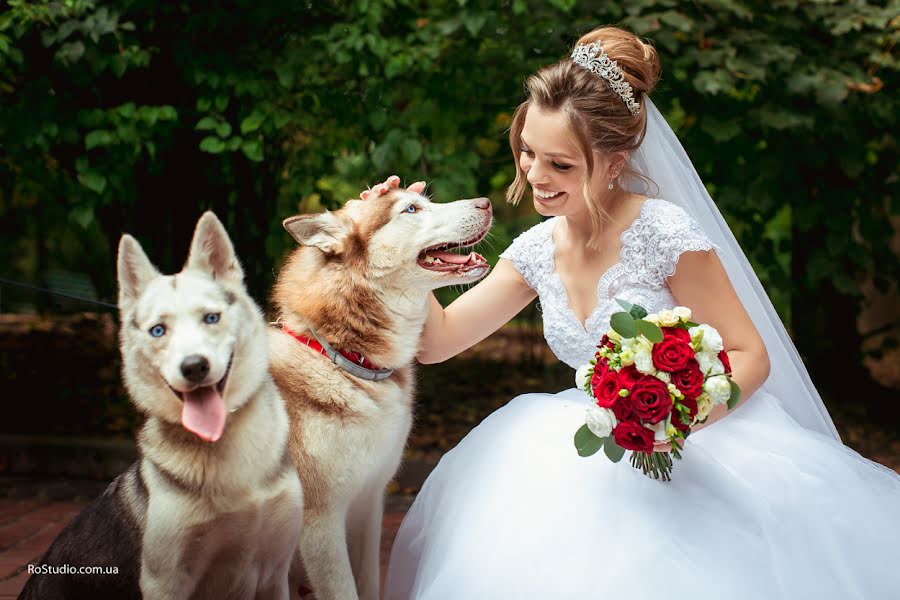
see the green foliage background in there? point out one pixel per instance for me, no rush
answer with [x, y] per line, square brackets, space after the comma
[136, 115]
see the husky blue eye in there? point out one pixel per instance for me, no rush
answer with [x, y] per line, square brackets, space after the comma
[211, 318]
[158, 330]
[412, 208]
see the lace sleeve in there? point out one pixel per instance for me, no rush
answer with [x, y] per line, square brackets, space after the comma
[651, 249]
[530, 254]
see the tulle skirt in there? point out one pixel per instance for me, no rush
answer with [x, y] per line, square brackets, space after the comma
[759, 508]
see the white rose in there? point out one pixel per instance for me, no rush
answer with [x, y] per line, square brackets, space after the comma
[718, 388]
[667, 318]
[614, 336]
[583, 375]
[682, 312]
[643, 356]
[709, 363]
[626, 357]
[711, 340]
[600, 420]
[663, 376]
[653, 318]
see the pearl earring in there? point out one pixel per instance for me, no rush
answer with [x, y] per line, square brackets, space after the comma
[610, 186]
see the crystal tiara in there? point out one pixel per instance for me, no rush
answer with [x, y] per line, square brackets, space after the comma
[585, 55]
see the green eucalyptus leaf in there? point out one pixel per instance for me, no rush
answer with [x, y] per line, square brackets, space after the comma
[735, 394]
[586, 442]
[613, 451]
[623, 324]
[625, 304]
[650, 331]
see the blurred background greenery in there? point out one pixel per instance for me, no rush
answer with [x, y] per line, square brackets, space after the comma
[137, 115]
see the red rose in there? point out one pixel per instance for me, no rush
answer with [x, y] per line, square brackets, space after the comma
[623, 408]
[651, 399]
[607, 389]
[633, 436]
[691, 405]
[672, 354]
[605, 341]
[689, 380]
[628, 376]
[678, 333]
[723, 356]
[600, 370]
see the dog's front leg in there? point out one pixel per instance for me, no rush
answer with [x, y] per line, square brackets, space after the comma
[323, 547]
[163, 578]
[365, 543]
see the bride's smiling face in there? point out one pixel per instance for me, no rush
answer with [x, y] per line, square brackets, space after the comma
[554, 166]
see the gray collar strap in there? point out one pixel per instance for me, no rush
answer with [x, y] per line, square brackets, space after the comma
[351, 367]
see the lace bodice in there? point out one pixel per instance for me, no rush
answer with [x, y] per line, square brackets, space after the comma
[651, 247]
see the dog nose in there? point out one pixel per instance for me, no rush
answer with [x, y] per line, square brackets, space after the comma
[195, 368]
[483, 203]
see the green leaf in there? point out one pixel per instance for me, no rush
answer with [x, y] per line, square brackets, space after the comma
[285, 76]
[206, 124]
[213, 145]
[625, 304]
[93, 181]
[613, 451]
[649, 331]
[223, 129]
[83, 215]
[98, 137]
[623, 324]
[474, 22]
[252, 149]
[394, 66]
[411, 150]
[586, 442]
[252, 123]
[638, 312]
[690, 324]
[735, 394]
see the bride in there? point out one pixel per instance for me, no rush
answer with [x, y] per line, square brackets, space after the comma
[767, 502]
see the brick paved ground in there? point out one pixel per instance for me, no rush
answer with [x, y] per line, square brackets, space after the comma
[28, 526]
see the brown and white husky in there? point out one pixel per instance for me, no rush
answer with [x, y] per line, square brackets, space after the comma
[357, 290]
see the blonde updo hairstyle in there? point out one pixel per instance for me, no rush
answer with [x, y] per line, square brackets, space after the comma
[596, 117]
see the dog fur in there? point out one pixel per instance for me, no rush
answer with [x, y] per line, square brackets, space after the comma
[358, 279]
[213, 506]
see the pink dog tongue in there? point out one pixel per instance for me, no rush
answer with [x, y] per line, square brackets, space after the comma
[204, 413]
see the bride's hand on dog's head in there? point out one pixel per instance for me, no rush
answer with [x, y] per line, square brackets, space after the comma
[391, 183]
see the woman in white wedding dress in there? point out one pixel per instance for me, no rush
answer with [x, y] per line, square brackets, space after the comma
[767, 503]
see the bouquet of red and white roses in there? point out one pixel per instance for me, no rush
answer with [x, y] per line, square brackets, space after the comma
[653, 378]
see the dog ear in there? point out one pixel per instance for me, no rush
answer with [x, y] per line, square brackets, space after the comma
[135, 270]
[324, 231]
[212, 251]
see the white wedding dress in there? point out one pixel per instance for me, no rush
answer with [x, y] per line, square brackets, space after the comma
[759, 507]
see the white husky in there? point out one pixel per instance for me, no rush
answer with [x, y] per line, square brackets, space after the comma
[213, 506]
[356, 290]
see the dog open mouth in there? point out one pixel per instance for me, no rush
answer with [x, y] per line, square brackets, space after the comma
[440, 257]
[203, 409]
